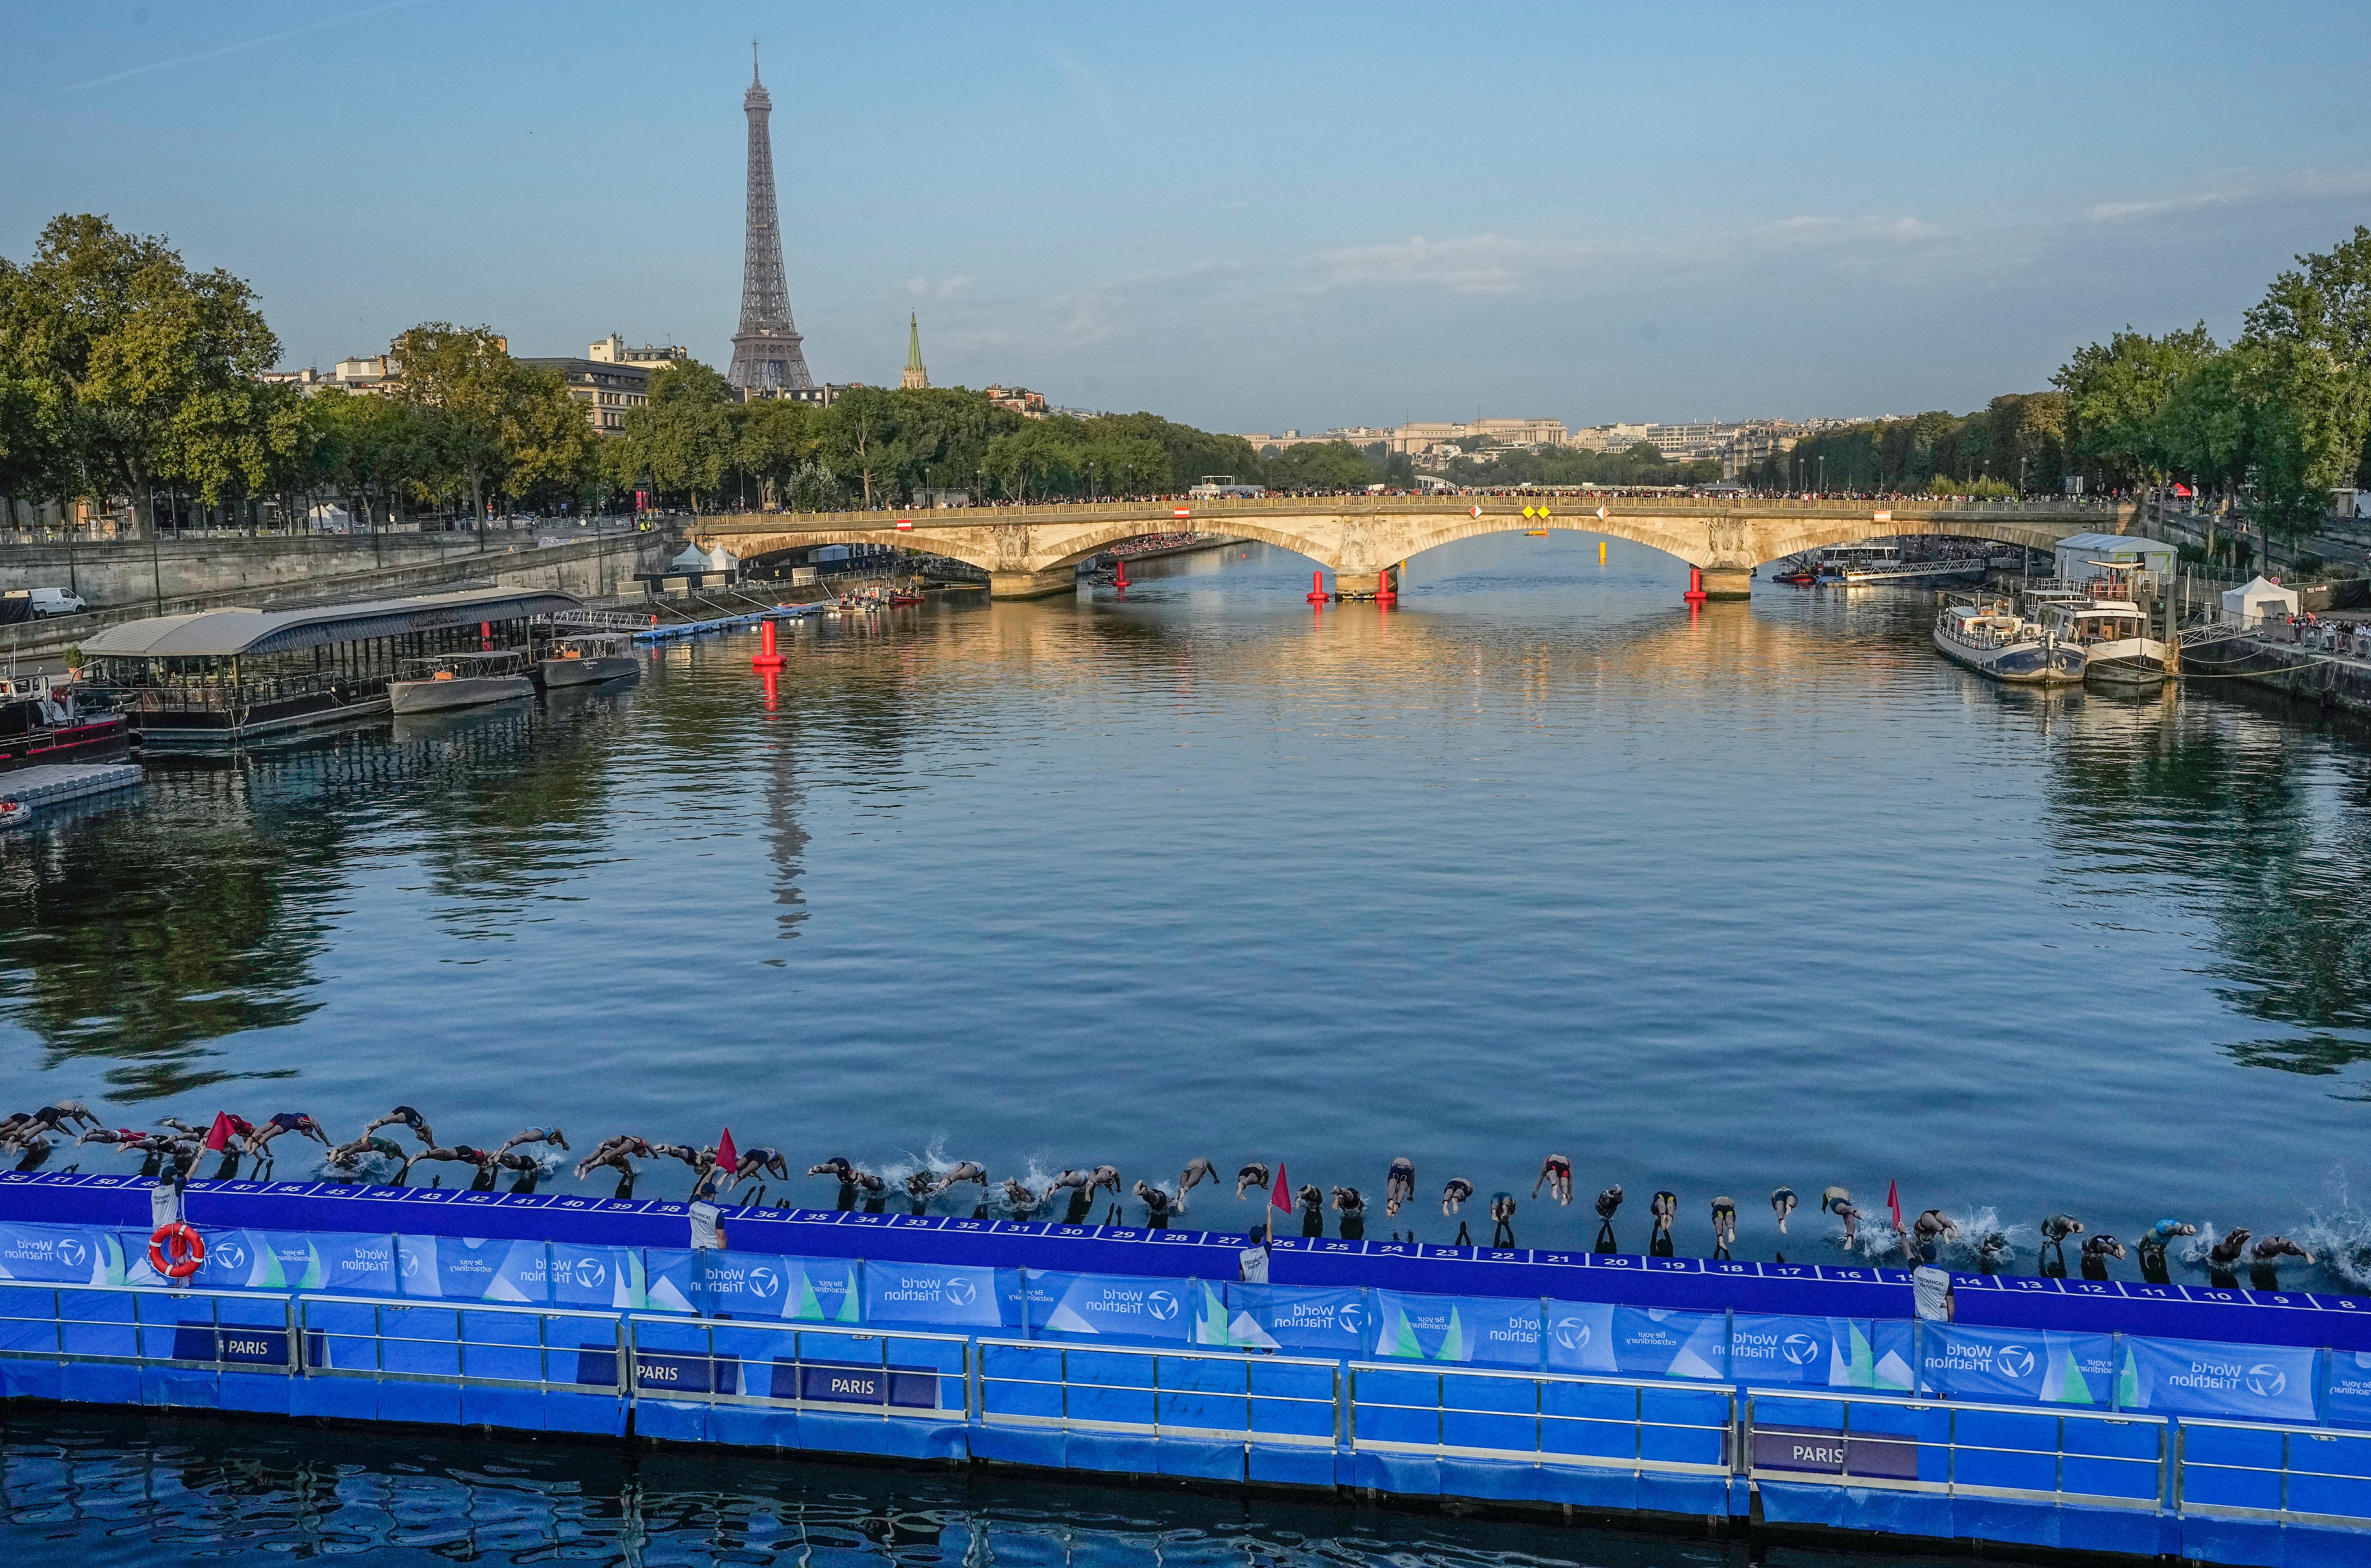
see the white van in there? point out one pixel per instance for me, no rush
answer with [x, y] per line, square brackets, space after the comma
[50, 601]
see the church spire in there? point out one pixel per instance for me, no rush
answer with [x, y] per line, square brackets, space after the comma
[915, 379]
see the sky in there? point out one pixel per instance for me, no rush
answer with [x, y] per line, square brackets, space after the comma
[1245, 217]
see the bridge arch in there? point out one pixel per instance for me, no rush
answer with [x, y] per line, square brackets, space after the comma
[1096, 540]
[757, 547]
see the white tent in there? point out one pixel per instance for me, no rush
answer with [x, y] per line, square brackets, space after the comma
[2258, 601]
[2082, 556]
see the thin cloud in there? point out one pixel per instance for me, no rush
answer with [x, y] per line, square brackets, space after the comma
[936, 290]
[2242, 189]
[235, 48]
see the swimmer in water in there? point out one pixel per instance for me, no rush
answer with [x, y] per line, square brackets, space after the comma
[479, 1160]
[769, 1163]
[1399, 1184]
[1082, 1195]
[1103, 1176]
[1832, 1197]
[964, 1171]
[1724, 1226]
[1842, 1209]
[1156, 1204]
[1197, 1171]
[1502, 1219]
[2152, 1246]
[404, 1115]
[1993, 1253]
[2097, 1251]
[1019, 1201]
[2266, 1259]
[551, 1136]
[1782, 1203]
[1555, 1174]
[1249, 1176]
[52, 1118]
[920, 1185]
[2055, 1232]
[1312, 1210]
[702, 1160]
[1352, 1206]
[1929, 1231]
[1609, 1203]
[347, 1158]
[1665, 1207]
[1454, 1195]
[2222, 1258]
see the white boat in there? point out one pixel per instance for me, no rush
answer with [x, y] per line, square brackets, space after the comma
[590, 660]
[1996, 641]
[460, 680]
[2113, 635]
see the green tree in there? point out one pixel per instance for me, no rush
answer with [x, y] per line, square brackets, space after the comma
[1039, 457]
[685, 436]
[2307, 371]
[2117, 391]
[123, 340]
[860, 433]
[1318, 466]
[466, 377]
[778, 440]
[547, 443]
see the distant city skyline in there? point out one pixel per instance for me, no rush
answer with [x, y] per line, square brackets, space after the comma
[1764, 213]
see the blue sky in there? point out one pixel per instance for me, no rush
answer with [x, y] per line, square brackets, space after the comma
[1247, 217]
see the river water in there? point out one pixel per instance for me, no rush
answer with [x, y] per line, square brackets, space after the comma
[1535, 861]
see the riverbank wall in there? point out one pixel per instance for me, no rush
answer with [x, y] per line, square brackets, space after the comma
[2308, 676]
[1738, 1399]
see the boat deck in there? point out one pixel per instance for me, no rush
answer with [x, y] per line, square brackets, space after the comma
[49, 782]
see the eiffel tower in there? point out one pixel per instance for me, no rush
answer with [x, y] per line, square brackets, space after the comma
[766, 357]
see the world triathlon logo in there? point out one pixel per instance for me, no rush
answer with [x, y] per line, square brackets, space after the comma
[763, 1283]
[1572, 1333]
[590, 1273]
[1350, 1318]
[231, 1256]
[2014, 1361]
[2267, 1381]
[1161, 1306]
[71, 1253]
[961, 1291]
[1800, 1350]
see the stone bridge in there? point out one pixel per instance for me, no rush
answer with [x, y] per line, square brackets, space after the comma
[1033, 550]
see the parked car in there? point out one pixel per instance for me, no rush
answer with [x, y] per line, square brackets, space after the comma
[51, 601]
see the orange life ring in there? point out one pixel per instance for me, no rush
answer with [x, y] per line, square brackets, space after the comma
[185, 1248]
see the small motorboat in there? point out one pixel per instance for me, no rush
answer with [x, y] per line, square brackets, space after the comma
[15, 813]
[460, 680]
[590, 660]
[1998, 642]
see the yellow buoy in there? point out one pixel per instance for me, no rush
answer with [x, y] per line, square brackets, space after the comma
[1601, 552]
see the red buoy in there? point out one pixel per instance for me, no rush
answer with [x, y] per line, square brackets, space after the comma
[1384, 594]
[767, 658]
[1121, 581]
[1695, 594]
[1317, 595]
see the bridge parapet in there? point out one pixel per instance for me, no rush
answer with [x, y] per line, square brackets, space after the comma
[1027, 550]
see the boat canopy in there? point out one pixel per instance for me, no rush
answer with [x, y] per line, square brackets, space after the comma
[234, 633]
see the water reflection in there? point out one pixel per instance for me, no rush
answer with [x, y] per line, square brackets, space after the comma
[99, 1489]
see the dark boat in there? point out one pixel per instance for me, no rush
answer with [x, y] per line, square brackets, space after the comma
[42, 720]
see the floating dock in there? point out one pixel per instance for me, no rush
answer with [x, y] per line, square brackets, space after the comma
[1760, 1400]
[671, 631]
[52, 783]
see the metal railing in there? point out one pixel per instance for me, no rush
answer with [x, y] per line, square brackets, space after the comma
[1157, 1393]
[1957, 1449]
[544, 1348]
[2293, 1475]
[129, 1325]
[1616, 1422]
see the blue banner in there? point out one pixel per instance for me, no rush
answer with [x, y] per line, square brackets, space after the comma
[765, 1284]
[1581, 1336]
[2018, 1366]
[1657, 1344]
[1112, 1306]
[469, 1268]
[1482, 1331]
[1816, 1352]
[933, 1294]
[671, 1279]
[60, 1254]
[1302, 1319]
[2246, 1382]
[2350, 1387]
[607, 1277]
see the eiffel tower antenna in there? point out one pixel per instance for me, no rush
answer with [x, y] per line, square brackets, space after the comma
[766, 355]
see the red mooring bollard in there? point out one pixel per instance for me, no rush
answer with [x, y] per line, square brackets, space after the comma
[1317, 595]
[1384, 593]
[767, 658]
[1695, 594]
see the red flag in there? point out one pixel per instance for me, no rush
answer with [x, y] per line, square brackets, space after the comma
[728, 1159]
[1282, 1197]
[219, 1135]
[1893, 1202]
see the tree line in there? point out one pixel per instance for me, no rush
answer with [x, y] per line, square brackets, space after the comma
[2271, 422]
